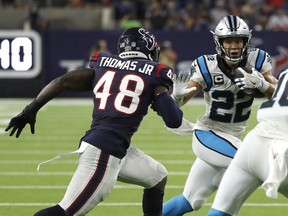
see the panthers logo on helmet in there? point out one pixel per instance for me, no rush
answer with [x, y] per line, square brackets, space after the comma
[149, 38]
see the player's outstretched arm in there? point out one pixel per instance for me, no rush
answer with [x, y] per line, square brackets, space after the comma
[166, 107]
[78, 80]
[181, 88]
[27, 116]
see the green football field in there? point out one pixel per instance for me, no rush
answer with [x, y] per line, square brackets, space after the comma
[60, 125]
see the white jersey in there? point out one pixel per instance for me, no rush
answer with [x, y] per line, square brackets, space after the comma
[261, 158]
[227, 107]
[273, 115]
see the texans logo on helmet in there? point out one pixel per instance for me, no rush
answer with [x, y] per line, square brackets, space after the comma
[149, 38]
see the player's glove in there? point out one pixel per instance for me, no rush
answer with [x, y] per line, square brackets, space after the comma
[252, 81]
[180, 85]
[28, 115]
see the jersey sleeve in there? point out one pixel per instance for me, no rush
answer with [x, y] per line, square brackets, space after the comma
[201, 73]
[166, 107]
[93, 59]
[165, 74]
[97, 56]
[260, 59]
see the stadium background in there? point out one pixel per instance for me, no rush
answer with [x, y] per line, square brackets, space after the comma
[68, 29]
[66, 42]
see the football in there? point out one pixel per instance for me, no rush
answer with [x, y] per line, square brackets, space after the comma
[239, 73]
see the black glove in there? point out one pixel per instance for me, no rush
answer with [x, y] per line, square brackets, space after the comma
[28, 115]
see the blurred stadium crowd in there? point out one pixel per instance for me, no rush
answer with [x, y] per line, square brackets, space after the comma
[166, 14]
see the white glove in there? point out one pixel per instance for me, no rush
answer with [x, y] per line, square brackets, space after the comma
[180, 85]
[253, 80]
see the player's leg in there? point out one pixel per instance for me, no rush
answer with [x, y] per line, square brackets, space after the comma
[283, 189]
[152, 200]
[141, 169]
[202, 181]
[177, 206]
[214, 147]
[54, 210]
[92, 181]
[236, 186]
[240, 179]
[206, 172]
[270, 165]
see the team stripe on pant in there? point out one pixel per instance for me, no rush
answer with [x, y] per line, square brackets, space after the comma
[91, 186]
[216, 143]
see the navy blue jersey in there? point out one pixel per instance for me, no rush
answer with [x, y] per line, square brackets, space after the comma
[123, 91]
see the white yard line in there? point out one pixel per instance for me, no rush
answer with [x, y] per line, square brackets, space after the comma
[56, 101]
[48, 152]
[140, 204]
[60, 173]
[60, 187]
[28, 162]
[36, 162]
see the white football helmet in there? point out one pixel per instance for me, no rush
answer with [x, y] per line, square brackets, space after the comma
[232, 26]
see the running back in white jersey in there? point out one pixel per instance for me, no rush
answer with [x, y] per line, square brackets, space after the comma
[273, 115]
[227, 107]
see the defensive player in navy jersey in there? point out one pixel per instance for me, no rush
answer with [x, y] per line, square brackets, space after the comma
[262, 159]
[216, 134]
[124, 87]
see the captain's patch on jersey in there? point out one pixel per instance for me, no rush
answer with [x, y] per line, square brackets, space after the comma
[218, 79]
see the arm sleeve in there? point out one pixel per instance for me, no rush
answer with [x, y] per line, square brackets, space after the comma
[168, 110]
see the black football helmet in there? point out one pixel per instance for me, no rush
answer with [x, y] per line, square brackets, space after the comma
[138, 43]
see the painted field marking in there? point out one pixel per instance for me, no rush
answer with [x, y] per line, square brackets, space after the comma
[140, 204]
[28, 162]
[48, 187]
[60, 173]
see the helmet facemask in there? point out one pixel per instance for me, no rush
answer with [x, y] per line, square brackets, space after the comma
[224, 52]
[232, 27]
[154, 54]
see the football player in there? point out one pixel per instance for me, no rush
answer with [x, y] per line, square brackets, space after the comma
[216, 134]
[261, 159]
[124, 87]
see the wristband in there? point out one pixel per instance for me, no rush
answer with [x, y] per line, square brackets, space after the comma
[263, 86]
